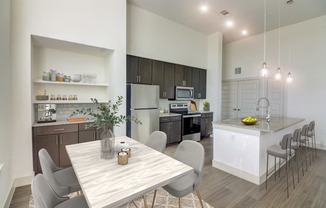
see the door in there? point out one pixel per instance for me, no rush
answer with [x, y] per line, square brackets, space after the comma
[248, 95]
[145, 71]
[275, 95]
[66, 139]
[132, 69]
[51, 144]
[150, 123]
[86, 136]
[229, 99]
[169, 80]
[157, 76]
[202, 83]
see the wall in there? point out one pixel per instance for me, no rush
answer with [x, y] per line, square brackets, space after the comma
[152, 36]
[5, 106]
[305, 95]
[101, 24]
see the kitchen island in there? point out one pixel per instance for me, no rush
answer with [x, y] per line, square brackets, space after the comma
[240, 149]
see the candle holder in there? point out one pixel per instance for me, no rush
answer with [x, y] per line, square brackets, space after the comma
[122, 158]
[127, 150]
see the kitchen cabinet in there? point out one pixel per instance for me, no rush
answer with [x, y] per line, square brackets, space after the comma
[86, 135]
[239, 98]
[183, 76]
[139, 70]
[199, 83]
[163, 75]
[54, 139]
[206, 128]
[171, 125]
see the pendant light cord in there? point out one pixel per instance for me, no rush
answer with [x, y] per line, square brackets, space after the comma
[279, 34]
[264, 31]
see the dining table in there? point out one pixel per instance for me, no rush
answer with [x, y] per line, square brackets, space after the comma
[105, 183]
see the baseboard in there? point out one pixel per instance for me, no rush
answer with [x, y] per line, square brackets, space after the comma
[16, 183]
[321, 146]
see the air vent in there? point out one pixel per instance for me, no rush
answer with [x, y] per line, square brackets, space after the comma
[237, 70]
[224, 12]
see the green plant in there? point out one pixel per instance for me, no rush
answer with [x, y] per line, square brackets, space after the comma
[206, 103]
[105, 116]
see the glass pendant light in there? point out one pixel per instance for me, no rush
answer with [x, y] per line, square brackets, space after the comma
[289, 78]
[278, 75]
[264, 70]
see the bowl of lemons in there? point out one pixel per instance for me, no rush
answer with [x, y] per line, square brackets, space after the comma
[249, 120]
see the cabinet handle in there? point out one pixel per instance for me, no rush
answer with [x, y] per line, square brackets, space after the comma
[94, 136]
[56, 140]
[59, 129]
[139, 78]
[60, 139]
[234, 109]
[185, 83]
[238, 109]
[199, 95]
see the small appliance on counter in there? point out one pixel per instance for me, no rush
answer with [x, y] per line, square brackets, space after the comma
[46, 113]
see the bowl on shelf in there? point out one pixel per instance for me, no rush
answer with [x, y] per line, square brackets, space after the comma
[76, 77]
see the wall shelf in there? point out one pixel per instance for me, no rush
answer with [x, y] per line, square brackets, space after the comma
[66, 101]
[39, 81]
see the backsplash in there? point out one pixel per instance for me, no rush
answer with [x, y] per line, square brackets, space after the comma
[65, 110]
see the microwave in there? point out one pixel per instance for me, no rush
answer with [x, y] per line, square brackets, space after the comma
[184, 93]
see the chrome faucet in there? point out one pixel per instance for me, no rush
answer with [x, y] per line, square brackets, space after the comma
[268, 108]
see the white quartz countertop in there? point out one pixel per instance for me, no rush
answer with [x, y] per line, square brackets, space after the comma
[169, 114]
[63, 122]
[275, 124]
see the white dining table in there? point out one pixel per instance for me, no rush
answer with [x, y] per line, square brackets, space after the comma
[106, 184]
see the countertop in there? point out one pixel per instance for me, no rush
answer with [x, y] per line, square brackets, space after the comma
[63, 122]
[169, 114]
[275, 124]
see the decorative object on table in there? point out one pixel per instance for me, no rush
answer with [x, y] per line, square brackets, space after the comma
[249, 120]
[121, 145]
[206, 105]
[123, 158]
[105, 117]
[127, 150]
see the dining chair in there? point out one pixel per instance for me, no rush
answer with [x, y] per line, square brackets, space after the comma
[45, 197]
[282, 151]
[191, 153]
[157, 140]
[62, 180]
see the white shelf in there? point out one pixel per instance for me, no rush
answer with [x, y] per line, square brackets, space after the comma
[1, 166]
[39, 81]
[66, 101]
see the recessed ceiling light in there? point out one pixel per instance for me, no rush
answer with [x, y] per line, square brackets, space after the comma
[244, 32]
[229, 23]
[204, 8]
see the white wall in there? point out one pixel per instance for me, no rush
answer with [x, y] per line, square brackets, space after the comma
[101, 24]
[305, 96]
[5, 107]
[152, 36]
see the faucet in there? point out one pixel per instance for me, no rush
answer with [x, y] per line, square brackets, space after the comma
[268, 108]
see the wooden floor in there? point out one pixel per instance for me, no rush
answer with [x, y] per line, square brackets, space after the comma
[224, 190]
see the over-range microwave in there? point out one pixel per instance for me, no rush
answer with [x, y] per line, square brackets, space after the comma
[184, 93]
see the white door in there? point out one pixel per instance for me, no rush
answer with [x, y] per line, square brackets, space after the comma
[248, 95]
[229, 99]
[275, 95]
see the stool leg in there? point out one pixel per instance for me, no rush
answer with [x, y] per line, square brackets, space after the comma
[314, 139]
[287, 178]
[301, 147]
[279, 167]
[266, 171]
[297, 161]
[275, 168]
[292, 173]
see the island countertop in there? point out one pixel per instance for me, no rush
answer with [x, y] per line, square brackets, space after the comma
[275, 124]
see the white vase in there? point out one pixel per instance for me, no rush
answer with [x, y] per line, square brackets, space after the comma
[121, 145]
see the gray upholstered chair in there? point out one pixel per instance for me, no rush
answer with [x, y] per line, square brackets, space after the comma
[297, 147]
[157, 140]
[311, 134]
[45, 197]
[191, 153]
[62, 180]
[282, 151]
[304, 140]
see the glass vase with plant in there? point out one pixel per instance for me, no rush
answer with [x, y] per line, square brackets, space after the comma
[104, 118]
[206, 105]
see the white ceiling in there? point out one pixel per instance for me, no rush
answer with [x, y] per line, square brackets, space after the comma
[247, 14]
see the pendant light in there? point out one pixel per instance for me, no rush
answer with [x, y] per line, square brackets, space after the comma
[289, 78]
[278, 75]
[264, 70]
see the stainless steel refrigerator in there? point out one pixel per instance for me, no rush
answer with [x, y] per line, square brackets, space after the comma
[142, 103]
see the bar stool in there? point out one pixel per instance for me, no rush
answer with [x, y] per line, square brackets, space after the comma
[305, 142]
[311, 134]
[296, 146]
[282, 151]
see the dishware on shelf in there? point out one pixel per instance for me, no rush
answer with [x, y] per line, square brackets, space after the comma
[42, 97]
[76, 77]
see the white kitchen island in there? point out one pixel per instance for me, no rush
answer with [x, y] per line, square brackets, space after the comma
[241, 149]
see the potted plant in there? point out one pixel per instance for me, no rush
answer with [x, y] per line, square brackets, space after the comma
[206, 106]
[105, 118]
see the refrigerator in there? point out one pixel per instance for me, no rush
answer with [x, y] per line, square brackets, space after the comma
[142, 103]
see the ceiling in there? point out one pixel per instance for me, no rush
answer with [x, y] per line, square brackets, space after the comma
[246, 14]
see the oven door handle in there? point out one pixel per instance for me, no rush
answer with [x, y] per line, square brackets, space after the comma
[191, 116]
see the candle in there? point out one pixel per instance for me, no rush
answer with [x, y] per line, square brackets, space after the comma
[122, 158]
[127, 150]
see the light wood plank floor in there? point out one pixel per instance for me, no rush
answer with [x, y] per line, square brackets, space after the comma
[221, 189]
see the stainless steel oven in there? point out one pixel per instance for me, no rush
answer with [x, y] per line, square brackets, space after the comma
[190, 121]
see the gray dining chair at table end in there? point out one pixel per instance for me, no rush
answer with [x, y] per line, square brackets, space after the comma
[45, 197]
[191, 153]
[62, 180]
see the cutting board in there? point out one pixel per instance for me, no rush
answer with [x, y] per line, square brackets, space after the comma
[193, 106]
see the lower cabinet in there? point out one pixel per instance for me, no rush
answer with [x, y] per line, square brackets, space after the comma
[206, 124]
[55, 138]
[171, 125]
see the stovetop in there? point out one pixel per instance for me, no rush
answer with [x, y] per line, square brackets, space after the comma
[181, 108]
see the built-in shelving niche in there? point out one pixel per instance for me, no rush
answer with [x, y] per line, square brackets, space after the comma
[69, 58]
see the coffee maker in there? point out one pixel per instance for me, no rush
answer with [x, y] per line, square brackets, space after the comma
[46, 113]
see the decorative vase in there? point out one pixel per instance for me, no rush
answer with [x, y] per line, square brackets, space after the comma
[107, 144]
[206, 108]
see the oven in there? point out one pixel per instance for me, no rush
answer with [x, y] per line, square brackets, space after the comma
[190, 121]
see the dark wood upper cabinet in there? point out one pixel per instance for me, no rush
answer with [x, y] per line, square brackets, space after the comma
[158, 76]
[199, 83]
[183, 76]
[139, 70]
[169, 80]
